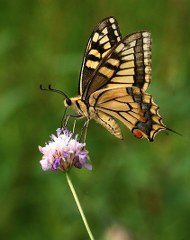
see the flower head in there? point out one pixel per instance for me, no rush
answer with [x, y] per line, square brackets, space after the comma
[63, 151]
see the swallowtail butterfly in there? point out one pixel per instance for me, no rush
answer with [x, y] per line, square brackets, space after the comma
[114, 77]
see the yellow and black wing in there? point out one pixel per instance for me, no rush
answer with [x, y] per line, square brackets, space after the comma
[127, 64]
[132, 106]
[105, 35]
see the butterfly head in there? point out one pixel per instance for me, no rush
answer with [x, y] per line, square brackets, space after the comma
[77, 105]
[67, 102]
[72, 102]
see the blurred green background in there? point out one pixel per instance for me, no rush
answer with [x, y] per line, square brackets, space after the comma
[136, 187]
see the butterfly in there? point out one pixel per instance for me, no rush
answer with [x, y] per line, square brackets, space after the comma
[114, 77]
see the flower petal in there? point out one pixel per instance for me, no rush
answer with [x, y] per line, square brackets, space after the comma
[45, 165]
[64, 151]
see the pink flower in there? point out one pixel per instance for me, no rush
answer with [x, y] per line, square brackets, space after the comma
[62, 152]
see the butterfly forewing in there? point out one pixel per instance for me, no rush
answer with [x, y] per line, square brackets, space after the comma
[105, 35]
[128, 64]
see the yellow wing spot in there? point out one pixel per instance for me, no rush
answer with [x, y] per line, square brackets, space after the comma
[120, 47]
[154, 109]
[113, 26]
[132, 44]
[94, 52]
[112, 20]
[105, 53]
[146, 34]
[147, 61]
[156, 127]
[156, 119]
[146, 47]
[114, 62]
[126, 79]
[104, 39]
[95, 37]
[92, 64]
[147, 70]
[129, 64]
[113, 84]
[137, 91]
[146, 40]
[146, 98]
[129, 57]
[116, 33]
[147, 54]
[129, 71]
[107, 45]
[118, 39]
[145, 86]
[105, 31]
[147, 78]
[106, 72]
[128, 51]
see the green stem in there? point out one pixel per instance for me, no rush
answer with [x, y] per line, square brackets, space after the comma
[79, 206]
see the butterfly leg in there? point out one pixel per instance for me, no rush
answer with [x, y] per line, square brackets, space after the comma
[74, 125]
[84, 131]
[66, 117]
[65, 120]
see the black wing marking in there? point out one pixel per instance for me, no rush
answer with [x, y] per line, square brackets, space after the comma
[128, 64]
[105, 35]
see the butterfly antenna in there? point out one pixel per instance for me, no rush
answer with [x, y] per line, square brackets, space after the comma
[53, 90]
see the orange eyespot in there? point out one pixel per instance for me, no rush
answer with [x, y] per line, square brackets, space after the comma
[137, 133]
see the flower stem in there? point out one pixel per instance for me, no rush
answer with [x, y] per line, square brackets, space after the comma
[79, 206]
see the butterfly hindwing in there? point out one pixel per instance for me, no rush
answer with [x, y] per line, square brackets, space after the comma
[132, 106]
[128, 64]
[105, 35]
